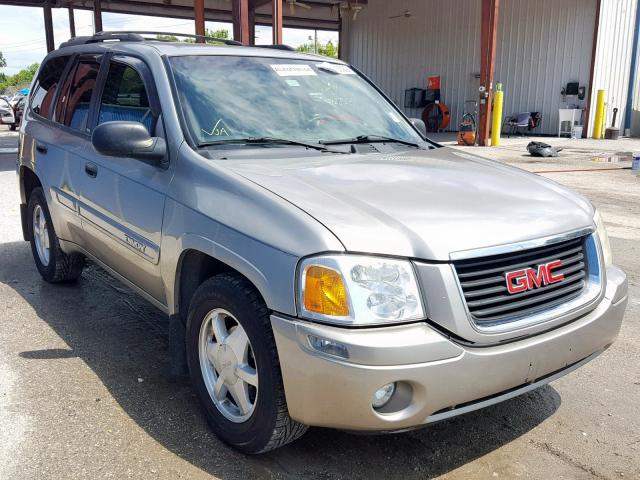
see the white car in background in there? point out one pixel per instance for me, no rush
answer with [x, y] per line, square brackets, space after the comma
[7, 114]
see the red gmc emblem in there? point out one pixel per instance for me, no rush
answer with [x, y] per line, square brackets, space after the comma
[530, 278]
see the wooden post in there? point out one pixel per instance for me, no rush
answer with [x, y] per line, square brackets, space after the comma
[277, 21]
[48, 27]
[72, 22]
[488, 34]
[198, 7]
[252, 23]
[240, 13]
[97, 16]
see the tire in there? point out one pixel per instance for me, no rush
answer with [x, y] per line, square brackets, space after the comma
[13, 127]
[58, 267]
[268, 426]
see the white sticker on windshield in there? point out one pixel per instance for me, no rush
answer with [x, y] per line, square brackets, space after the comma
[293, 70]
[335, 68]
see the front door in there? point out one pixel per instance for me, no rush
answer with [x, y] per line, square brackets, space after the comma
[122, 199]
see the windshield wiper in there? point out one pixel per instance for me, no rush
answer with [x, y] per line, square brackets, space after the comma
[369, 139]
[269, 141]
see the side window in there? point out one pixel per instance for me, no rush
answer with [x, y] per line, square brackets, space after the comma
[125, 97]
[74, 100]
[46, 85]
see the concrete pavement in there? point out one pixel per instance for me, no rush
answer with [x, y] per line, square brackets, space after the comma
[84, 392]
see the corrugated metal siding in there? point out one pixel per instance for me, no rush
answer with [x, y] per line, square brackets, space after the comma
[635, 113]
[542, 45]
[441, 39]
[613, 55]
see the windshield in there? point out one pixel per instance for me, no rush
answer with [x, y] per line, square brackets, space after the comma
[226, 98]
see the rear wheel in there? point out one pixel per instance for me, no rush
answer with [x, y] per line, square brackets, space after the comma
[234, 366]
[54, 265]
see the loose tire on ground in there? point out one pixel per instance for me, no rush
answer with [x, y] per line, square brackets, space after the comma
[268, 426]
[60, 267]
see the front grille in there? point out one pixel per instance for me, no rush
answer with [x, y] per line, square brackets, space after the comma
[484, 284]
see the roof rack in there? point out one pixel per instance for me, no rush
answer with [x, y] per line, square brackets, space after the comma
[137, 36]
[276, 47]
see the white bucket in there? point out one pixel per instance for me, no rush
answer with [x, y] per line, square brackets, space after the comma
[576, 132]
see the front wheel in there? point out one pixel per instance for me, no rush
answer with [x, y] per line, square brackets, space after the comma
[234, 366]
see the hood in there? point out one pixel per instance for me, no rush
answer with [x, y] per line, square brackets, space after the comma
[422, 204]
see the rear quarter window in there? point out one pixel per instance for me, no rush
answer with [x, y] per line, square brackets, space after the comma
[47, 84]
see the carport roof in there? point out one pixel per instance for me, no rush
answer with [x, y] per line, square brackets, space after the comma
[323, 14]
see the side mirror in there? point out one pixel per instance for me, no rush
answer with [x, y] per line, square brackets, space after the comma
[128, 139]
[419, 125]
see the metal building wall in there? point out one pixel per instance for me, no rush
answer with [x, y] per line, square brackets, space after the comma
[613, 55]
[441, 39]
[635, 109]
[542, 45]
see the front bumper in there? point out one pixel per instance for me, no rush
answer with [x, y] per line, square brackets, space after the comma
[438, 378]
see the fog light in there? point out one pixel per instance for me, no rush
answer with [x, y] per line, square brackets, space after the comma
[383, 395]
[329, 347]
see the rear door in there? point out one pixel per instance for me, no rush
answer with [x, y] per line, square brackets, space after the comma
[48, 148]
[122, 199]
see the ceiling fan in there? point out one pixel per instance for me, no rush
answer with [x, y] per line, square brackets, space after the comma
[351, 7]
[294, 3]
[405, 14]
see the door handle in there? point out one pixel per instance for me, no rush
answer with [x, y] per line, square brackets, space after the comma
[41, 147]
[91, 170]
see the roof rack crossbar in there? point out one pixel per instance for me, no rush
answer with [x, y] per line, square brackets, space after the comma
[226, 41]
[277, 47]
[137, 36]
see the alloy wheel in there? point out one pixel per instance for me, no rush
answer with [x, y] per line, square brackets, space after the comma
[228, 365]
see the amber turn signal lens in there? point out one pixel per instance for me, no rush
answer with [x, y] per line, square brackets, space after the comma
[324, 292]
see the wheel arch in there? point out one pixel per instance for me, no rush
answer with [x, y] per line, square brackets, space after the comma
[195, 266]
[28, 181]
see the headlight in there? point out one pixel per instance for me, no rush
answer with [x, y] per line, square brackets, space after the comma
[601, 230]
[359, 290]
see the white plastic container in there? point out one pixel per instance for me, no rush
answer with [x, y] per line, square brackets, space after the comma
[635, 163]
[576, 132]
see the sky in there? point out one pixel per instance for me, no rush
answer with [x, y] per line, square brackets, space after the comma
[22, 39]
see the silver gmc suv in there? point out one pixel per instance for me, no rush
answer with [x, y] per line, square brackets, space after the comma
[322, 262]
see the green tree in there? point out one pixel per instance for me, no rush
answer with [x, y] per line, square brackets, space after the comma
[222, 34]
[20, 80]
[3, 62]
[167, 38]
[327, 49]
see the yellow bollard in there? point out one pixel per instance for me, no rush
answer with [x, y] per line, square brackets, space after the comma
[496, 121]
[598, 121]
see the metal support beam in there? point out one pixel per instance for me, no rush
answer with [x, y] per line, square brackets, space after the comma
[488, 34]
[198, 7]
[72, 23]
[97, 16]
[276, 13]
[596, 33]
[240, 13]
[252, 23]
[48, 27]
